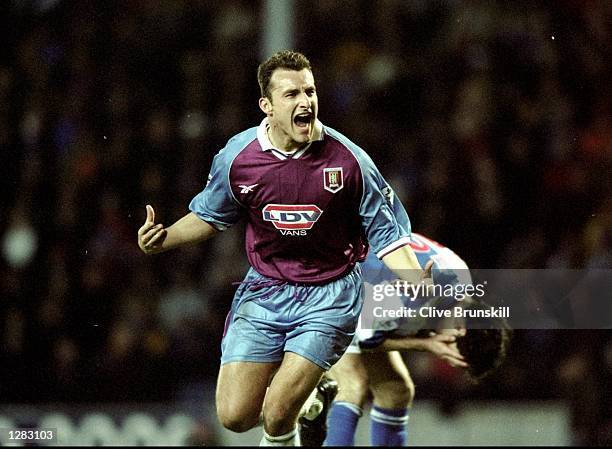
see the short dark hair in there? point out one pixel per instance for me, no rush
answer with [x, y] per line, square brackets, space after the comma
[284, 59]
[485, 343]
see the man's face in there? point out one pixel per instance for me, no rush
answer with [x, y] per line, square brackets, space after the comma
[292, 109]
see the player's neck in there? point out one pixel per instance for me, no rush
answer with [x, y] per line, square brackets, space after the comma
[290, 147]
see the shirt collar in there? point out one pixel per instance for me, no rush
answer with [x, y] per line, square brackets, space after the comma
[266, 145]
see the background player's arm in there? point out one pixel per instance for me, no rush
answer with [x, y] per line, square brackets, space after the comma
[440, 345]
[154, 238]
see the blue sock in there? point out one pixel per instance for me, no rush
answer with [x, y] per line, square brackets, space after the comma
[388, 426]
[342, 423]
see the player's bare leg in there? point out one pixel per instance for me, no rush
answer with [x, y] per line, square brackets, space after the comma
[291, 386]
[352, 378]
[390, 381]
[393, 392]
[241, 388]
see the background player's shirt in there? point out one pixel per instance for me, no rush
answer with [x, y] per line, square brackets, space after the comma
[448, 269]
[309, 215]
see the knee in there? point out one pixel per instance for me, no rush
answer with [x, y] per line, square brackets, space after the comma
[235, 420]
[353, 389]
[409, 391]
[235, 424]
[278, 419]
[398, 393]
[402, 393]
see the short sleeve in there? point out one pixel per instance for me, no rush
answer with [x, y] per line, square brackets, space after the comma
[385, 221]
[216, 203]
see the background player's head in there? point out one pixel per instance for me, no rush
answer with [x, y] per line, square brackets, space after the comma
[288, 98]
[484, 343]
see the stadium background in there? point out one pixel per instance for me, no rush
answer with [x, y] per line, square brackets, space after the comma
[492, 121]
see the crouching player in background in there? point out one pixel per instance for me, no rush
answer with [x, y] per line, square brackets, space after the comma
[373, 362]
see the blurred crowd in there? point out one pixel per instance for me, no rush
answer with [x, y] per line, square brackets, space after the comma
[492, 121]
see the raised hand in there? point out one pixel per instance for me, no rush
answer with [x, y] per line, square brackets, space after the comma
[151, 235]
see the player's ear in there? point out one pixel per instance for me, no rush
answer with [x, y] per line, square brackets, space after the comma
[265, 105]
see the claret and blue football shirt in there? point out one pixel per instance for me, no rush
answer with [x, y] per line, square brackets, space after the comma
[309, 214]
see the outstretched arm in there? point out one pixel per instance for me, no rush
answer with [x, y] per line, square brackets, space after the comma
[440, 345]
[155, 238]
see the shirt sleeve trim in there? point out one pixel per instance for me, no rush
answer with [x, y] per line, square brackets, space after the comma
[392, 247]
[218, 225]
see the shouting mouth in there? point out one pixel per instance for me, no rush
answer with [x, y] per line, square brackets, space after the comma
[303, 120]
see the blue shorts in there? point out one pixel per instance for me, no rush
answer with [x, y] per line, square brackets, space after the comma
[269, 318]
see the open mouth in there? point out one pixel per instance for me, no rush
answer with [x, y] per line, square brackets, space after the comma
[303, 120]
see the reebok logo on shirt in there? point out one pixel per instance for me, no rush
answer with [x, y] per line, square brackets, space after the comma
[247, 189]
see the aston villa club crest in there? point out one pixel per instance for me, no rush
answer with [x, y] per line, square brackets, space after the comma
[332, 179]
